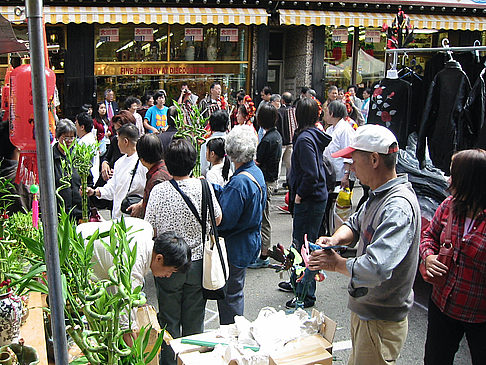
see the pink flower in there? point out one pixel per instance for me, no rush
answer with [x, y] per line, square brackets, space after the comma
[378, 91]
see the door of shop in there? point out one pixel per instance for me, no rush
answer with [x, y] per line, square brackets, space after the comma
[275, 76]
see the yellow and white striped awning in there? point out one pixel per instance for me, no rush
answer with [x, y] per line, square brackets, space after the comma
[376, 20]
[144, 15]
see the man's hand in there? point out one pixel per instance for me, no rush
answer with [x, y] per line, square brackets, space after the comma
[434, 267]
[89, 191]
[106, 171]
[298, 199]
[326, 241]
[136, 209]
[328, 260]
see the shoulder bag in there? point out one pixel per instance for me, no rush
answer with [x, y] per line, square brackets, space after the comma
[130, 199]
[215, 260]
[445, 255]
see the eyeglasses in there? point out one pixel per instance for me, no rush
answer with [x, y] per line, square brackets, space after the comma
[67, 138]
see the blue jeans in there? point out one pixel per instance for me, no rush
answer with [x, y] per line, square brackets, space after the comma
[234, 302]
[307, 219]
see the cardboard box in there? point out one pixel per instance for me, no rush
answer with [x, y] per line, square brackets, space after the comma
[148, 315]
[315, 349]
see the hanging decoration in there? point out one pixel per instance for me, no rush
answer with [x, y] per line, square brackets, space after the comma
[400, 33]
[21, 116]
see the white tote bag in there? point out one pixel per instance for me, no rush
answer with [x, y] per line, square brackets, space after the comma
[215, 259]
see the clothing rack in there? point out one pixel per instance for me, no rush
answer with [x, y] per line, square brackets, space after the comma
[445, 48]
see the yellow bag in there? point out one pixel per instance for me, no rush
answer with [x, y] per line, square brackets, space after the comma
[343, 207]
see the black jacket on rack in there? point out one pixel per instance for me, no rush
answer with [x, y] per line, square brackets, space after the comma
[418, 99]
[472, 128]
[440, 122]
[390, 106]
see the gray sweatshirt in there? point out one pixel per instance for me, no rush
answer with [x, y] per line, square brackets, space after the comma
[387, 229]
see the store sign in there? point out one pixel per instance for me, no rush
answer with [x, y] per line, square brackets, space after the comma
[228, 35]
[109, 35]
[372, 36]
[193, 34]
[144, 35]
[339, 35]
[157, 68]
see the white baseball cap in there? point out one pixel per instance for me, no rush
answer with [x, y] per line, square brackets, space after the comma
[370, 138]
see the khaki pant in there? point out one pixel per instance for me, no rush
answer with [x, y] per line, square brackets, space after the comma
[285, 159]
[376, 342]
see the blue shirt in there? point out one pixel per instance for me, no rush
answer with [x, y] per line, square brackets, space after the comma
[242, 205]
[156, 117]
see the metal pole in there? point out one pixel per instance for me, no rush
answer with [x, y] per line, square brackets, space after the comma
[355, 55]
[46, 178]
[438, 49]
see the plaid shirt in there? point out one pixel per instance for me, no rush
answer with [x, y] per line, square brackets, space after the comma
[155, 175]
[463, 296]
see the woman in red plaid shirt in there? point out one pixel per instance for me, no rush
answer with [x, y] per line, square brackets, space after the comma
[458, 307]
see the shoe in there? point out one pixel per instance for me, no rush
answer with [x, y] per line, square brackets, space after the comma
[259, 264]
[283, 208]
[291, 303]
[285, 286]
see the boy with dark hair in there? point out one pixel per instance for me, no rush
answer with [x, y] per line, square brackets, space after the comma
[268, 155]
[155, 119]
[129, 175]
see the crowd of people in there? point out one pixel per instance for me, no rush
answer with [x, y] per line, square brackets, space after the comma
[242, 159]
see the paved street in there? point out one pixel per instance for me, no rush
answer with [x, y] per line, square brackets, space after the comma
[261, 290]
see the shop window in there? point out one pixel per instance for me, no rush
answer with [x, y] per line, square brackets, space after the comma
[131, 43]
[208, 43]
[338, 56]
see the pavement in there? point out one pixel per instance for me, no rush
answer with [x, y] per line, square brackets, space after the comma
[261, 291]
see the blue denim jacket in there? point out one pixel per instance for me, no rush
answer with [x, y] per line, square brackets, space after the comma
[242, 205]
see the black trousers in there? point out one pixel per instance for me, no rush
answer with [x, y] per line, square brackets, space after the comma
[444, 335]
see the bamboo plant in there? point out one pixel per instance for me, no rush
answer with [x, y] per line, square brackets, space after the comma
[193, 130]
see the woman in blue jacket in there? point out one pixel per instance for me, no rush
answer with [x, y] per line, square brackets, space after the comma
[242, 202]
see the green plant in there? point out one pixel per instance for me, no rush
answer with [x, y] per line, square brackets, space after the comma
[6, 200]
[193, 130]
[94, 309]
[79, 156]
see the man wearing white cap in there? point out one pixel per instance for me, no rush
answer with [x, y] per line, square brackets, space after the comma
[387, 230]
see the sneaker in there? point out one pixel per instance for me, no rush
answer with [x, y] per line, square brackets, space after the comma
[291, 303]
[259, 264]
[283, 208]
[285, 286]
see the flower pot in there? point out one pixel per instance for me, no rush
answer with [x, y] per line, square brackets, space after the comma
[26, 355]
[10, 317]
[7, 356]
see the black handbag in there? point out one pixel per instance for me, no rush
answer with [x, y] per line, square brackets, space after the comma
[131, 199]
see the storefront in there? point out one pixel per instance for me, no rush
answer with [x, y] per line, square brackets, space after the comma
[349, 47]
[133, 51]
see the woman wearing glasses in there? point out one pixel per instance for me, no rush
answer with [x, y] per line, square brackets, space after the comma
[65, 134]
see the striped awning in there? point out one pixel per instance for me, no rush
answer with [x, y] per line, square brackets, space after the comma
[144, 15]
[376, 20]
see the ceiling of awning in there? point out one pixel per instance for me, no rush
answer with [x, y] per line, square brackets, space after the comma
[347, 19]
[144, 15]
[8, 41]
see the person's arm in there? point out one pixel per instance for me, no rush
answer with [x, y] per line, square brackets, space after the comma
[147, 126]
[430, 244]
[232, 205]
[217, 209]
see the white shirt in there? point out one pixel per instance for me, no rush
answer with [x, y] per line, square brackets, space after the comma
[215, 175]
[89, 139]
[202, 155]
[141, 232]
[342, 134]
[116, 188]
[139, 123]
